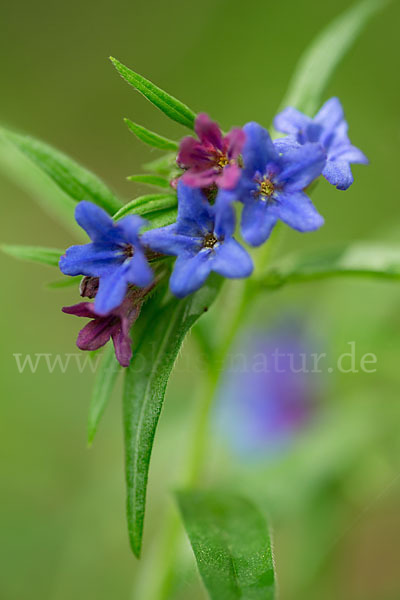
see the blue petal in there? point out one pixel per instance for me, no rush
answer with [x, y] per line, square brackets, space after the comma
[257, 222]
[330, 115]
[338, 173]
[297, 211]
[258, 149]
[350, 154]
[190, 273]
[291, 121]
[301, 166]
[286, 143]
[230, 259]
[140, 272]
[225, 218]
[112, 290]
[169, 241]
[194, 211]
[129, 228]
[96, 222]
[95, 260]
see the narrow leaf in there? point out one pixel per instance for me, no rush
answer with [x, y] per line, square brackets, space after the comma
[76, 182]
[151, 138]
[173, 108]
[356, 260]
[45, 256]
[230, 541]
[147, 204]
[162, 218]
[150, 180]
[63, 283]
[164, 165]
[145, 384]
[103, 386]
[319, 61]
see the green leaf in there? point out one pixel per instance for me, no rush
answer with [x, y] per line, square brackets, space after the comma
[173, 108]
[75, 182]
[102, 390]
[164, 165]
[370, 260]
[45, 256]
[145, 384]
[319, 61]
[150, 180]
[147, 204]
[161, 218]
[151, 138]
[230, 541]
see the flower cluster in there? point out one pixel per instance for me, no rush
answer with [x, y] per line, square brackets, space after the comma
[268, 178]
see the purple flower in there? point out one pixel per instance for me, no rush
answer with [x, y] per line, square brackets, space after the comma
[115, 325]
[202, 240]
[272, 184]
[329, 128]
[213, 159]
[115, 255]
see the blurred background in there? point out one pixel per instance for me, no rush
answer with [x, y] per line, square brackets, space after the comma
[331, 486]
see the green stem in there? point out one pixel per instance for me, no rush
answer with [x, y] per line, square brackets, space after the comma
[197, 450]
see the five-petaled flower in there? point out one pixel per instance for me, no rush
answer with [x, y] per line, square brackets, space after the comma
[272, 183]
[329, 128]
[115, 255]
[213, 159]
[202, 240]
[115, 325]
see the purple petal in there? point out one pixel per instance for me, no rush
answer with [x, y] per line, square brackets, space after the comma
[112, 290]
[297, 211]
[301, 166]
[257, 222]
[189, 274]
[208, 131]
[95, 334]
[258, 149]
[123, 346]
[229, 177]
[192, 153]
[235, 141]
[95, 260]
[338, 173]
[83, 309]
[96, 222]
[197, 178]
[231, 260]
[291, 121]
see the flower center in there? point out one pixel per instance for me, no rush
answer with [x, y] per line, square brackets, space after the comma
[267, 188]
[128, 250]
[209, 241]
[221, 160]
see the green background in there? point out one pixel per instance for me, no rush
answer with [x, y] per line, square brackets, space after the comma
[333, 497]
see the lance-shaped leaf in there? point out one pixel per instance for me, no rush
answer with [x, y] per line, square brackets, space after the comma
[150, 180]
[151, 138]
[145, 384]
[45, 256]
[64, 282]
[173, 108]
[74, 181]
[371, 260]
[319, 61]
[165, 165]
[102, 390]
[230, 541]
[161, 218]
[149, 203]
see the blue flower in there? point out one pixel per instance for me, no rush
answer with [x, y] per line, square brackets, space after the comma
[329, 128]
[115, 255]
[272, 183]
[202, 240]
